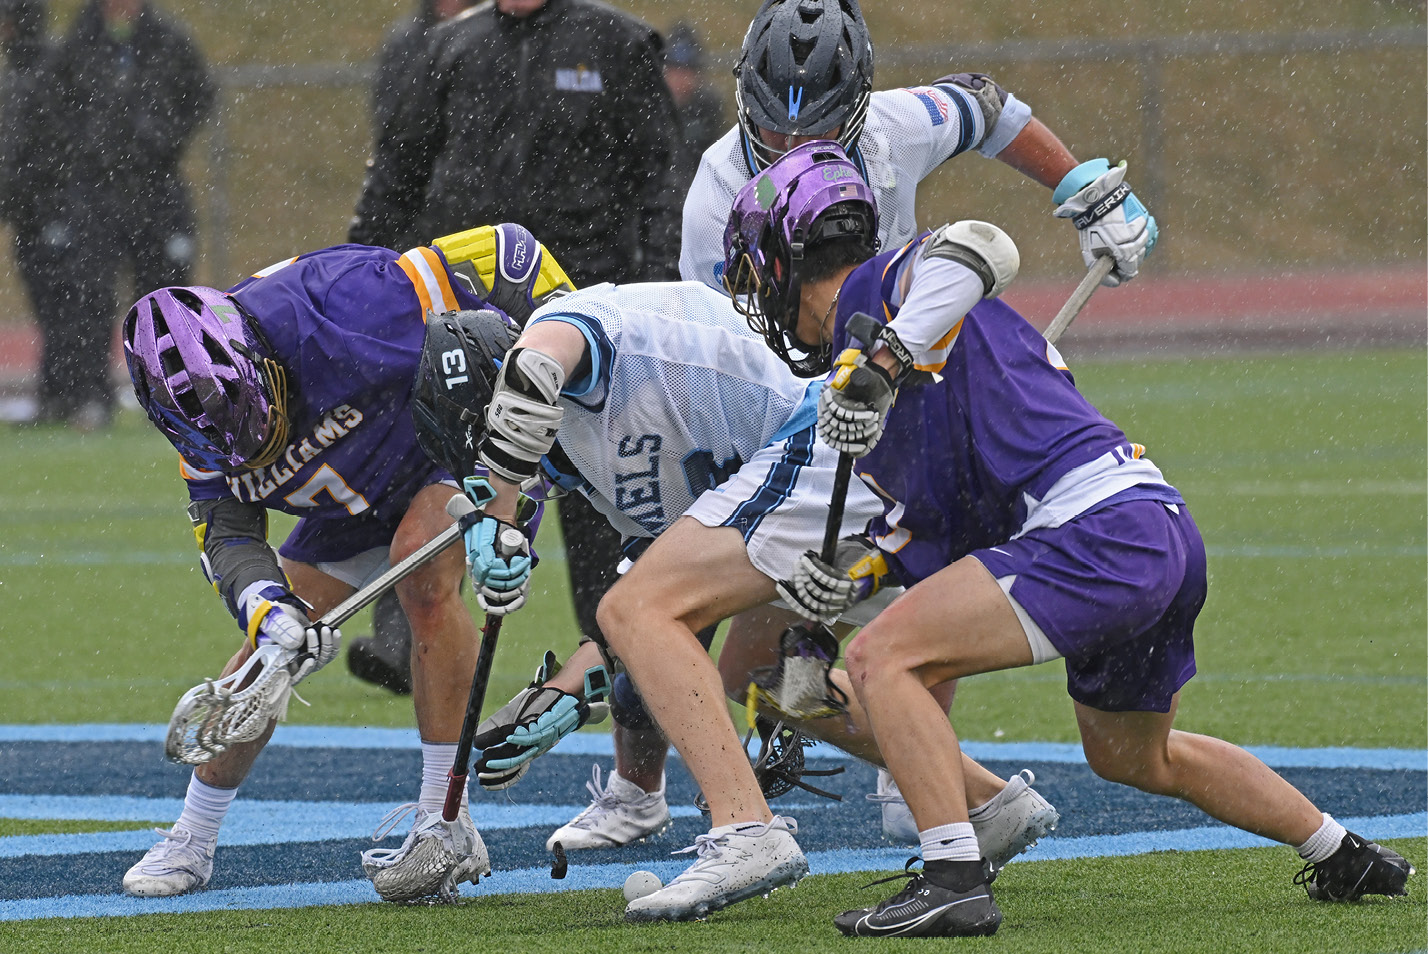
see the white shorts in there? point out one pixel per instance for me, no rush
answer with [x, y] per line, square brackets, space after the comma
[361, 569]
[779, 501]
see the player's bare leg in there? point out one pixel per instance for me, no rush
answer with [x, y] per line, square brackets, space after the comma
[183, 860]
[753, 641]
[435, 857]
[444, 636]
[691, 577]
[898, 657]
[650, 617]
[1140, 749]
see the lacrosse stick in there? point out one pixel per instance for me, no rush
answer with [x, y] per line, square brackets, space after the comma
[1078, 299]
[807, 650]
[221, 713]
[508, 543]
[780, 765]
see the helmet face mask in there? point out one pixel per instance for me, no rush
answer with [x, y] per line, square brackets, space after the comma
[805, 70]
[200, 372]
[810, 195]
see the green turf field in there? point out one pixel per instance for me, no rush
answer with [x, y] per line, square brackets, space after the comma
[1306, 473]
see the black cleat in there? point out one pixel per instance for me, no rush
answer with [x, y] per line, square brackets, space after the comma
[385, 659]
[924, 909]
[1358, 867]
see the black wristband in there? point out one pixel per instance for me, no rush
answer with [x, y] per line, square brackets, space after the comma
[1102, 208]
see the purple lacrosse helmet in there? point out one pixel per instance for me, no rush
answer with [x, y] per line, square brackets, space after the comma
[810, 195]
[197, 371]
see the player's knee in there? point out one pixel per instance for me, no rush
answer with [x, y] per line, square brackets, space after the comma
[1144, 774]
[863, 662]
[626, 706]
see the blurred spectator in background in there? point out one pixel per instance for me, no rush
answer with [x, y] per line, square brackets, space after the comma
[384, 658]
[403, 51]
[25, 175]
[125, 92]
[553, 114]
[699, 103]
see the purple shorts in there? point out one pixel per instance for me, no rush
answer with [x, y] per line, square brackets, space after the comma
[1117, 591]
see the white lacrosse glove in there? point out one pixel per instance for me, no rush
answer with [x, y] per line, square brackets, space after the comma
[821, 593]
[1108, 217]
[534, 721]
[498, 556]
[268, 613]
[854, 404]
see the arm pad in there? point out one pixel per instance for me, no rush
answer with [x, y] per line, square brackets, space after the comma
[990, 97]
[234, 539]
[524, 415]
[982, 247]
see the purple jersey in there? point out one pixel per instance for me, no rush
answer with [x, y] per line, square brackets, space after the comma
[1000, 444]
[347, 324]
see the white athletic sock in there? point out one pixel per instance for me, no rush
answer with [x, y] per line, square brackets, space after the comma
[954, 842]
[203, 809]
[436, 760]
[1323, 842]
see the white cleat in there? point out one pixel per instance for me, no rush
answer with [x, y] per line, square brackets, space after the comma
[621, 813]
[898, 825]
[1014, 820]
[433, 861]
[735, 862]
[177, 864]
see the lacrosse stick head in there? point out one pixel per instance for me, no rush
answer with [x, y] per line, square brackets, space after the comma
[799, 684]
[213, 717]
[460, 359]
[436, 857]
[199, 371]
[811, 195]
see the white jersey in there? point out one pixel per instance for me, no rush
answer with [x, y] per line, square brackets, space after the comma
[679, 395]
[909, 133]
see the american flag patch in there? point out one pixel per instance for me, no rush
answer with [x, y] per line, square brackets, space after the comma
[935, 105]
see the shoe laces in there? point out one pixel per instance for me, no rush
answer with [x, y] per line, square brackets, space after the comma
[603, 801]
[177, 844]
[914, 882]
[709, 846]
[1307, 873]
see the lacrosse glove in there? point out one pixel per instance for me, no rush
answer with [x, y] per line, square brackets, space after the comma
[1108, 217]
[498, 556]
[822, 592]
[268, 612]
[853, 406]
[534, 721]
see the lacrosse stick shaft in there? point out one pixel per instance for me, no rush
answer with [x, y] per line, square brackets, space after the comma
[508, 543]
[359, 601]
[456, 784]
[1079, 297]
[841, 478]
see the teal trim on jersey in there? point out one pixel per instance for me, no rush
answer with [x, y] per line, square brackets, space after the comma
[804, 416]
[1080, 177]
[602, 352]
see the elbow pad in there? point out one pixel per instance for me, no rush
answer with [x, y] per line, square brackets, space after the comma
[988, 251]
[524, 415]
[990, 97]
[505, 266]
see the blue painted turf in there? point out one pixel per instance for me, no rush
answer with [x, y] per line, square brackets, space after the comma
[294, 836]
